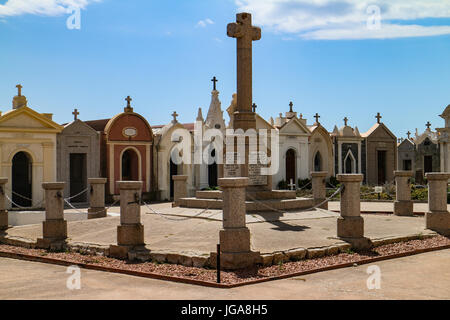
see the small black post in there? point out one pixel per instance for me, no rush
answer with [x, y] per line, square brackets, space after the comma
[218, 263]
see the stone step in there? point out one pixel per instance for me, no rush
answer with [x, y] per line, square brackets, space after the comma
[263, 205]
[259, 195]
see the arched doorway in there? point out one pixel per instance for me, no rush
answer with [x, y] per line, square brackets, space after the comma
[290, 166]
[22, 170]
[212, 171]
[318, 162]
[349, 164]
[130, 165]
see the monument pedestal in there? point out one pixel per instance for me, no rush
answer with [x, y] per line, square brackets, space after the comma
[403, 208]
[3, 220]
[438, 221]
[95, 213]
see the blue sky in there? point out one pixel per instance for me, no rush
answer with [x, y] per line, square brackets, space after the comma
[318, 54]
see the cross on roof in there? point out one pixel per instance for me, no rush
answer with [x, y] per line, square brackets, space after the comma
[428, 124]
[128, 100]
[214, 80]
[19, 89]
[175, 115]
[378, 117]
[75, 114]
[254, 106]
[290, 106]
[345, 121]
[317, 117]
[408, 134]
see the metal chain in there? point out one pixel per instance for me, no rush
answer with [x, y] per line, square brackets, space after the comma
[20, 207]
[78, 194]
[174, 219]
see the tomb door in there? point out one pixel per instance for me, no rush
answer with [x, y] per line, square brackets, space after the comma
[427, 164]
[212, 171]
[130, 166]
[290, 166]
[381, 166]
[173, 172]
[22, 179]
[318, 162]
[78, 176]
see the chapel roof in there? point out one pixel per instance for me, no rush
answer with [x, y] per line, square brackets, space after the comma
[97, 125]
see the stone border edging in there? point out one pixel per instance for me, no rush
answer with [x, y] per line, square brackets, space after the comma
[156, 276]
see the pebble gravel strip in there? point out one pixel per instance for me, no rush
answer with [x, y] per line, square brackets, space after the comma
[239, 277]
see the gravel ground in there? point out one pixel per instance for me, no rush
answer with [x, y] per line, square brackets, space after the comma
[239, 276]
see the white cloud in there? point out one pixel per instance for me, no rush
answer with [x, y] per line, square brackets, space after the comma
[41, 7]
[204, 23]
[348, 19]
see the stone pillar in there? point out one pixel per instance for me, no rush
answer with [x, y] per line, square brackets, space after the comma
[179, 189]
[130, 232]
[438, 217]
[350, 225]
[97, 198]
[319, 188]
[235, 236]
[403, 206]
[54, 226]
[3, 211]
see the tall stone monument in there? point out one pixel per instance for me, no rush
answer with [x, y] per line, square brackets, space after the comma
[243, 116]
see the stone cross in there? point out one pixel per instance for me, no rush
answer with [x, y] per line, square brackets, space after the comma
[128, 100]
[214, 80]
[19, 89]
[290, 106]
[175, 115]
[428, 125]
[245, 34]
[254, 106]
[317, 117]
[75, 114]
[378, 117]
[409, 135]
[291, 185]
[345, 121]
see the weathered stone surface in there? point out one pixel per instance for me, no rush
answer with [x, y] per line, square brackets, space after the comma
[234, 240]
[266, 260]
[315, 253]
[130, 235]
[180, 188]
[438, 218]
[199, 261]
[403, 206]
[54, 201]
[332, 250]
[238, 260]
[350, 227]
[279, 257]
[3, 220]
[130, 194]
[296, 254]
[319, 188]
[97, 198]
[350, 195]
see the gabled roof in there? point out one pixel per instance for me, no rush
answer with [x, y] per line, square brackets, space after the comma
[294, 122]
[81, 123]
[46, 123]
[97, 125]
[446, 113]
[375, 127]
